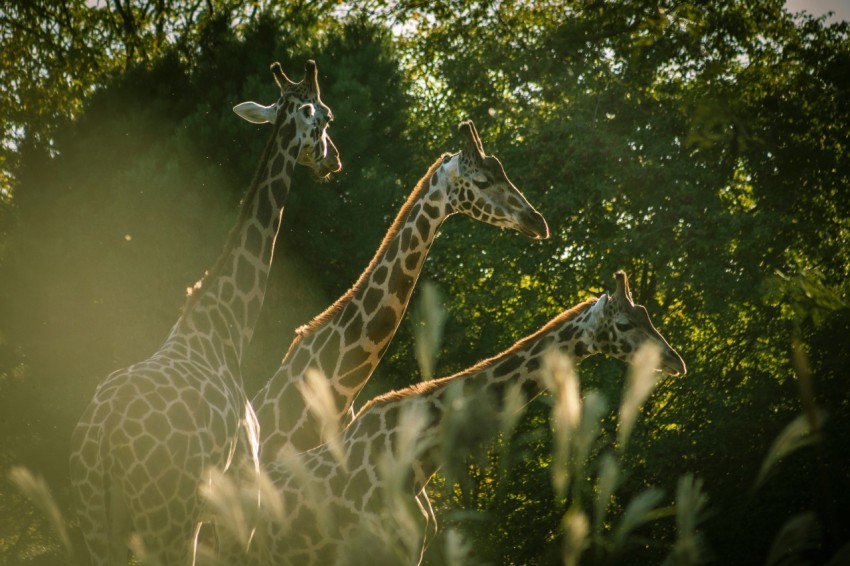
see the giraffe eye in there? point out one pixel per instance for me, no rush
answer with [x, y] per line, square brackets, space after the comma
[624, 326]
[481, 184]
[307, 110]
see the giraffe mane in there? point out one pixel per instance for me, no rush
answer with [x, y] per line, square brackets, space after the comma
[322, 318]
[425, 387]
[245, 210]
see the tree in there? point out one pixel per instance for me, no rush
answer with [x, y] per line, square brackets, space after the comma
[673, 140]
[700, 146]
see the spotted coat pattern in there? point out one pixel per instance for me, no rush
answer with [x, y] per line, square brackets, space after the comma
[329, 503]
[143, 444]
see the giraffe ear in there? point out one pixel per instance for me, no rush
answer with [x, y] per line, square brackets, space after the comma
[256, 113]
[601, 303]
[473, 142]
[622, 292]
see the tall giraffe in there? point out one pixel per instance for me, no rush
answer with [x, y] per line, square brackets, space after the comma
[347, 341]
[152, 430]
[340, 497]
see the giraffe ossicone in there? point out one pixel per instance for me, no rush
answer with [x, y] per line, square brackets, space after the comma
[154, 429]
[347, 341]
[300, 101]
[330, 506]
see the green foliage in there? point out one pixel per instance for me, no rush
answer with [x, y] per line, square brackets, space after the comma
[135, 199]
[701, 146]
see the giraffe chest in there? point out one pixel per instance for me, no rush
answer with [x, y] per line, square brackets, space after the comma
[172, 406]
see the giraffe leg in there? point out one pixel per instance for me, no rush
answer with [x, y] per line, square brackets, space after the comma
[104, 524]
[103, 517]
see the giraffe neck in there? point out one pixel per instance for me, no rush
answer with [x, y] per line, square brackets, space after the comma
[347, 341]
[224, 305]
[572, 332]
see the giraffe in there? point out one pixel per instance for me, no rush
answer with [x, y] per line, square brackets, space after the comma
[349, 492]
[152, 429]
[347, 341]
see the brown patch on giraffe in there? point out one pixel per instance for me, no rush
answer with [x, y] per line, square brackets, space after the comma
[381, 322]
[400, 282]
[329, 355]
[203, 323]
[276, 166]
[412, 261]
[354, 377]
[353, 358]
[581, 348]
[392, 251]
[348, 314]
[430, 210]
[380, 275]
[423, 225]
[508, 366]
[227, 291]
[352, 329]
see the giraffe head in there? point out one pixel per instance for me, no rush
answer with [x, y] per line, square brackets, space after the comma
[302, 103]
[621, 327]
[482, 190]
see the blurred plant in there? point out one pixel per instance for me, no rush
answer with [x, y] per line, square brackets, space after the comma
[35, 488]
[804, 533]
[797, 434]
[798, 535]
[690, 510]
[587, 465]
[429, 317]
[319, 399]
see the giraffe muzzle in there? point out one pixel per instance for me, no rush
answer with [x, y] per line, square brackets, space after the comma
[673, 364]
[535, 226]
[330, 162]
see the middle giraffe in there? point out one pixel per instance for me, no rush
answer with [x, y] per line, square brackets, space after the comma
[347, 341]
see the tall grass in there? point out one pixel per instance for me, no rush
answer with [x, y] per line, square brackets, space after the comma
[582, 451]
[587, 472]
[37, 491]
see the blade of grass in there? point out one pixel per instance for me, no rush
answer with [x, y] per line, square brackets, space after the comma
[796, 434]
[35, 488]
[642, 379]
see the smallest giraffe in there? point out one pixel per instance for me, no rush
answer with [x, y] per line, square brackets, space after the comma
[332, 494]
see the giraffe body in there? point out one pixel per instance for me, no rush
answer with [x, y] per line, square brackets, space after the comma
[348, 340]
[152, 430]
[328, 501]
